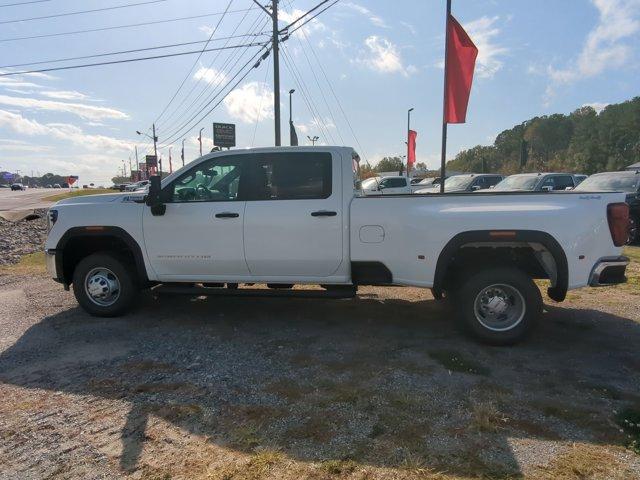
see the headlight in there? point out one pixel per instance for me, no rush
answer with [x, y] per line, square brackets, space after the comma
[52, 217]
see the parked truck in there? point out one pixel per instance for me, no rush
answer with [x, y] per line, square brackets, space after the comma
[296, 215]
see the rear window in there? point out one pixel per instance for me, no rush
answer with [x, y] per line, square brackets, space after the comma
[292, 176]
[611, 183]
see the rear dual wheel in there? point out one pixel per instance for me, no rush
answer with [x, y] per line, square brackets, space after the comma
[499, 306]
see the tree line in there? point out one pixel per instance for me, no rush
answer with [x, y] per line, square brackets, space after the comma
[584, 141]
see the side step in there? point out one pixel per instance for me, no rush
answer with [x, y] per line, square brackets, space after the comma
[176, 289]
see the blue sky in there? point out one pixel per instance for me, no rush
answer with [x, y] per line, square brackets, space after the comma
[380, 58]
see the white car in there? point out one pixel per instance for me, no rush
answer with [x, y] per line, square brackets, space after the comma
[137, 186]
[293, 215]
[469, 182]
[393, 185]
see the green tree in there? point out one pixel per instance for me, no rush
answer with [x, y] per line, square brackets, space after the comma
[390, 164]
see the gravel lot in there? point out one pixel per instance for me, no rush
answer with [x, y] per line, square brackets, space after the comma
[378, 387]
[21, 238]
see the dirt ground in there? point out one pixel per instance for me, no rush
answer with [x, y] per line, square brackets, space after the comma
[378, 387]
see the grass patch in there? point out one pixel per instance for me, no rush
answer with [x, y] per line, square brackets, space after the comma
[456, 362]
[246, 437]
[32, 263]
[78, 193]
[338, 467]
[633, 253]
[586, 461]
[485, 417]
[629, 421]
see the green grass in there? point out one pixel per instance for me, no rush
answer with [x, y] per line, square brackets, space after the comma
[28, 264]
[79, 193]
[629, 421]
[634, 254]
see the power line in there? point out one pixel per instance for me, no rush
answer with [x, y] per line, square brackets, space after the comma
[23, 3]
[303, 15]
[196, 62]
[289, 32]
[219, 77]
[128, 60]
[66, 14]
[116, 27]
[121, 52]
[178, 133]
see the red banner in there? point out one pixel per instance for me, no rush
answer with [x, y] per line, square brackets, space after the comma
[460, 63]
[411, 149]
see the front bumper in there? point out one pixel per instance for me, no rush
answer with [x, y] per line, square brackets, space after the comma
[609, 271]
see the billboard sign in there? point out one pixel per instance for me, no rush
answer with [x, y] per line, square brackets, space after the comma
[224, 135]
[71, 179]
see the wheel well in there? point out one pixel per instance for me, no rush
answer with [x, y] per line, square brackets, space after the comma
[535, 253]
[79, 243]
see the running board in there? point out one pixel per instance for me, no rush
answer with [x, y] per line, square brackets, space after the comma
[343, 292]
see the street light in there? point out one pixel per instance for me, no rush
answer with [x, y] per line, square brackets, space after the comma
[313, 139]
[408, 130]
[182, 154]
[200, 140]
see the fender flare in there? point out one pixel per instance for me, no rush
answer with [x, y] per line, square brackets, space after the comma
[557, 292]
[96, 232]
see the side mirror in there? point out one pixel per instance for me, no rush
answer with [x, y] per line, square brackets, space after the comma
[153, 197]
[547, 188]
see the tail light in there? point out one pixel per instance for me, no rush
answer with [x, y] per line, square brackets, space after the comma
[618, 217]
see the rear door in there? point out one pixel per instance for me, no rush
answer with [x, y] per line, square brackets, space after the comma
[394, 186]
[293, 215]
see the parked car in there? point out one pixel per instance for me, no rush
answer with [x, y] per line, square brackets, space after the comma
[285, 216]
[132, 187]
[425, 183]
[17, 186]
[627, 182]
[470, 182]
[48, 186]
[392, 185]
[56, 185]
[537, 182]
[579, 178]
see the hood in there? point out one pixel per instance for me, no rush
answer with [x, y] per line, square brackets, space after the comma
[102, 198]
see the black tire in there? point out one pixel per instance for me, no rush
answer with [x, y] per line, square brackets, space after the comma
[105, 267]
[506, 284]
[634, 230]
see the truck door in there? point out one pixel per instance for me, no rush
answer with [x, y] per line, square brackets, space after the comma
[293, 217]
[200, 234]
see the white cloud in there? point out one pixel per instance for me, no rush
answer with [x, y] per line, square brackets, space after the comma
[61, 131]
[597, 106]
[383, 56]
[314, 25]
[364, 11]
[250, 102]
[207, 30]
[88, 112]
[209, 75]
[64, 95]
[607, 45]
[483, 32]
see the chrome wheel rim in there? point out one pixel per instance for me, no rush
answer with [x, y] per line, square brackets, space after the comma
[499, 307]
[102, 286]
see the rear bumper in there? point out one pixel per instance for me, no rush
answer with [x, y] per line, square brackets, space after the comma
[609, 271]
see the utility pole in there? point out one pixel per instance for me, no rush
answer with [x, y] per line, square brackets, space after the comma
[200, 140]
[130, 166]
[155, 149]
[138, 164]
[182, 154]
[276, 65]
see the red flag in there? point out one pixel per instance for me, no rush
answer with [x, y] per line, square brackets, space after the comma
[460, 63]
[411, 151]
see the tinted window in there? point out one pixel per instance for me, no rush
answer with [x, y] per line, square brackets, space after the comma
[562, 182]
[215, 180]
[291, 176]
[394, 182]
[491, 181]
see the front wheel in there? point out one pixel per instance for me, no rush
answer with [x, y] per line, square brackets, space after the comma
[103, 285]
[499, 306]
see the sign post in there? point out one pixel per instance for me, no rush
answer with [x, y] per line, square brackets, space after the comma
[224, 135]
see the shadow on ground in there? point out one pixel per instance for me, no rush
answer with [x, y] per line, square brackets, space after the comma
[378, 382]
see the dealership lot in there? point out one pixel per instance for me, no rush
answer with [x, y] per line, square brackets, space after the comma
[381, 386]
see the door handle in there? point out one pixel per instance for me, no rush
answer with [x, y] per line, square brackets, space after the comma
[324, 213]
[227, 215]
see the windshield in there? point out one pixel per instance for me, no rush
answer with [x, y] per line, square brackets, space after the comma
[611, 183]
[369, 183]
[517, 182]
[458, 182]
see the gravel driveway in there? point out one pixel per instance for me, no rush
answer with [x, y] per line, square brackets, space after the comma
[379, 387]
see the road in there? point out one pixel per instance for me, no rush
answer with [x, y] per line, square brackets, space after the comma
[26, 199]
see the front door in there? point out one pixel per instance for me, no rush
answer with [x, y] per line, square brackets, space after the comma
[200, 236]
[293, 218]
[394, 186]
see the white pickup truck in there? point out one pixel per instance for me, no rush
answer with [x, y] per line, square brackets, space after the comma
[285, 216]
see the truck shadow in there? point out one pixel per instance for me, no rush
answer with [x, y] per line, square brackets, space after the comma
[380, 382]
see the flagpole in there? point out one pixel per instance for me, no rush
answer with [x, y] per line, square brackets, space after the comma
[443, 156]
